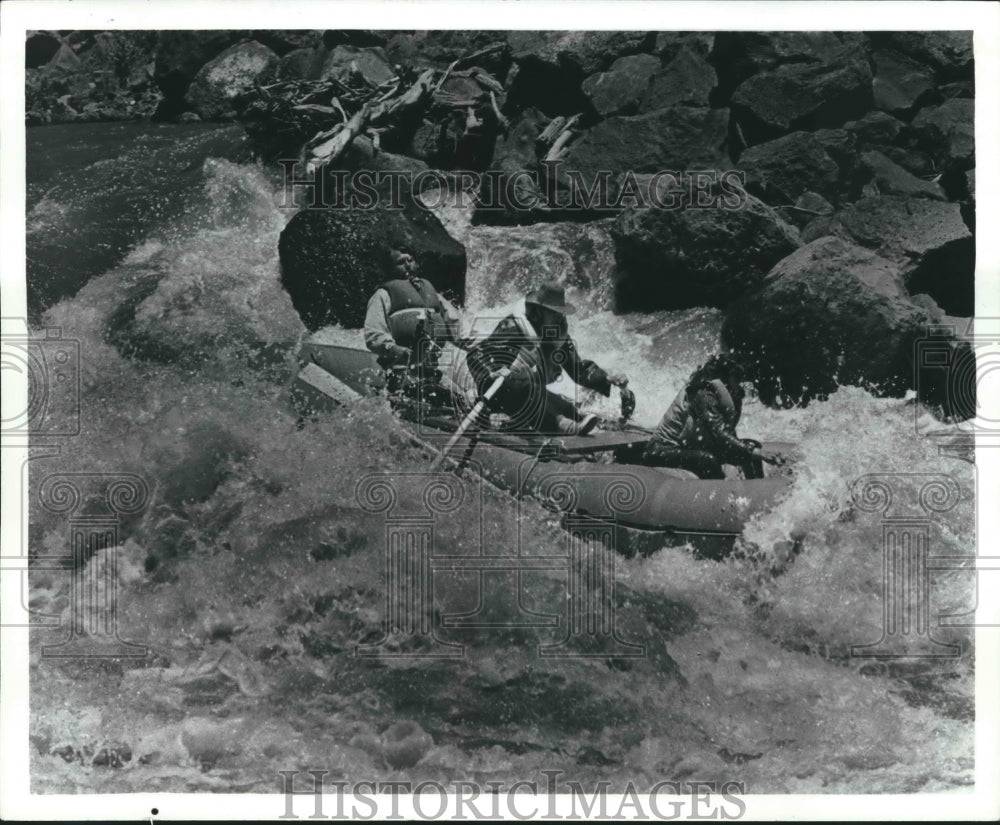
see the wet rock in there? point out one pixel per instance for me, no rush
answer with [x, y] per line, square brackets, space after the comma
[300, 64]
[948, 52]
[688, 78]
[40, 48]
[180, 54]
[344, 63]
[781, 170]
[830, 314]
[696, 257]
[891, 179]
[225, 76]
[681, 137]
[404, 744]
[619, 89]
[899, 82]
[738, 55]
[284, 41]
[804, 96]
[550, 66]
[927, 240]
[875, 130]
[947, 133]
[330, 259]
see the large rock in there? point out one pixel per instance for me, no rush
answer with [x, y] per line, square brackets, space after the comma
[949, 52]
[804, 96]
[782, 169]
[676, 258]
[330, 259]
[926, 239]
[688, 78]
[180, 54]
[40, 48]
[619, 89]
[231, 73]
[947, 133]
[513, 152]
[283, 41]
[738, 55]
[678, 138]
[344, 62]
[829, 314]
[550, 66]
[875, 130]
[888, 178]
[899, 82]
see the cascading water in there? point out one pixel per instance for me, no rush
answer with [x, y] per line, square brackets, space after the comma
[188, 345]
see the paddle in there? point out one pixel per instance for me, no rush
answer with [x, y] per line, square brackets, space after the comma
[487, 396]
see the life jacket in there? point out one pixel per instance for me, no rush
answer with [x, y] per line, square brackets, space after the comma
[678, 426]
[410, 303]
[516, 345]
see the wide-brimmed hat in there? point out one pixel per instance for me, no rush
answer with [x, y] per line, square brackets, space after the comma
[551, 296]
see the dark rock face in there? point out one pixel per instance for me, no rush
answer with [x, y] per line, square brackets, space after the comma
[236, 70]
[781, 170]
[927, 240]
[688, 78]
[948, 52]
[947, 134]
[808, 96]
[888, 178]
[899, 82]
[331, 259]
[830, 313]
[875, 130]
[180, 54]
[696, 257]
[40, 48]
[681, 137]
[739, 55]
[620, 88]
[370, 63]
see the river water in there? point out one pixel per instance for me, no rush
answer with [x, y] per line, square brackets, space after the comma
[156, 247]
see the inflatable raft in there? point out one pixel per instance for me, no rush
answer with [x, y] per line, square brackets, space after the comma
[593, 476]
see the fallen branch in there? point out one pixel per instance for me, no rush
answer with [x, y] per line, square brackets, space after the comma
[329, 151]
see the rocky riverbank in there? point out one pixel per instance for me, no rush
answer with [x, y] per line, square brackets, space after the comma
[820, 154]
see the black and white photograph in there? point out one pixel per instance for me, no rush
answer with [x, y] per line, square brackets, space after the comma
[446, 411]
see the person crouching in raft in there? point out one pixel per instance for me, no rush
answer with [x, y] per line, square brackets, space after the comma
[533, 343]
[698, 430]
[406, 323]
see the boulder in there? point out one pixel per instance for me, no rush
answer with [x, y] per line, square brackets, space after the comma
[300, 64]
[677, 258]
[40, 48]
[875, 130]
[926, 239]
[345, 62]
[180, 54]
[330, 259]
[352, 37]
[947, 134]
[283, 41]
[948, 52]
[677, 138]
[236, 70]
[669, 44]
[807, 207]
[830, 314]
[619, 90]
[513, 152]
[804, 96]
[550, 66]
[580, 52]
[876, 169]
[739, 55]
[688, 78]
[899, 82]
[780, 170]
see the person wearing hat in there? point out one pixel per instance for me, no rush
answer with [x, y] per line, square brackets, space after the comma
[698, 430]
[534, 345]
[406, 321]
